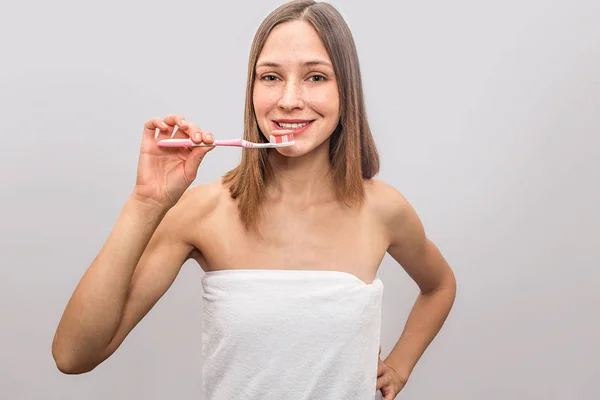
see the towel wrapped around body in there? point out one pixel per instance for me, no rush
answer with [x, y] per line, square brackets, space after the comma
[290, 334]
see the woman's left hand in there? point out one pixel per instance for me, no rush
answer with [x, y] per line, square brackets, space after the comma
[388, 380]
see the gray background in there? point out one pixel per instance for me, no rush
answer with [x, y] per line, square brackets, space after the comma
[486, 118]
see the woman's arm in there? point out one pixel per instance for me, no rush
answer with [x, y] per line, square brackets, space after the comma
[424, 263]
[136, 266]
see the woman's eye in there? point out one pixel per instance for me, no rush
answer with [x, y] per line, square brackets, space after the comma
[269, 78]
[318, 78]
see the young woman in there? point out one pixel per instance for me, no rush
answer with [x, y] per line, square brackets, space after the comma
[290, 241]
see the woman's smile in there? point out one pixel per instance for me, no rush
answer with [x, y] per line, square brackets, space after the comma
[297, 125]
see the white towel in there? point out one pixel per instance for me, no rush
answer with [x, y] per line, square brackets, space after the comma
[290, 334]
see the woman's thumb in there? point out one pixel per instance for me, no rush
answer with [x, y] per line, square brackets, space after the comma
[195, 159]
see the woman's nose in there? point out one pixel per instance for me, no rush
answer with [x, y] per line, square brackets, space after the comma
[291, 97]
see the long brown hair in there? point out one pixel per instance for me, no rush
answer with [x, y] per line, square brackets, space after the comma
[352, 150]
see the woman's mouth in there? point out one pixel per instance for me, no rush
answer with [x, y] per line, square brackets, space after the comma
[296, 127]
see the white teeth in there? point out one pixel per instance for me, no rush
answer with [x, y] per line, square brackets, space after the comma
[292, 126]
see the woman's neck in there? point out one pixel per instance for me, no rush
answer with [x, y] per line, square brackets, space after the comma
[301, 180]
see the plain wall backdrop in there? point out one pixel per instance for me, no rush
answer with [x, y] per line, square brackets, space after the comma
[486, 115]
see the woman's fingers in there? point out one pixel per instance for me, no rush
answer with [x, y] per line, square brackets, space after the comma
[194, 132]
[174, 120]
[152, 125]
[382, 381]
[207, 138]
[187, 129]
[380, 368]
[182, 129]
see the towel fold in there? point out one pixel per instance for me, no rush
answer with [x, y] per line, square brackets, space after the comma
[290, 334]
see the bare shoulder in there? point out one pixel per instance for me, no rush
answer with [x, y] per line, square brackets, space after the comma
[408, 243]
[394, 212]
[385, 201]
[196, 204]
[202, 198]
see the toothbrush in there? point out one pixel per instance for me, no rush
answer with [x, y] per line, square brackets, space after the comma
[282, 140]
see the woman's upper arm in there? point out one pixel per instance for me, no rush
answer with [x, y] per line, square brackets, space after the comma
[409, 244]
[167, 251]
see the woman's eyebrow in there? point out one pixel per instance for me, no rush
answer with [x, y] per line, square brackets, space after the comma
[310, 63]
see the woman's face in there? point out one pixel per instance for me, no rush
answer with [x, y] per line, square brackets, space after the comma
[294, 86]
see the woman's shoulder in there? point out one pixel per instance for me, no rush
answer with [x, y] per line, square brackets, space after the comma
[201, 200]
[381, 191]
[384, 200]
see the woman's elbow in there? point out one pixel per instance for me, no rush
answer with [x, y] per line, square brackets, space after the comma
[67, 363]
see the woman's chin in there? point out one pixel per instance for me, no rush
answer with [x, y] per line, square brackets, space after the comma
[296, 150]
[303, 147]
[290, 151]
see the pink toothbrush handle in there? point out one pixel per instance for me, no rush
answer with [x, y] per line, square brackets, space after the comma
[229, 142]
[175, 143]
[190, 143]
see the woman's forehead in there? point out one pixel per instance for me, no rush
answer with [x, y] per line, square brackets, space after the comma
[293, 41]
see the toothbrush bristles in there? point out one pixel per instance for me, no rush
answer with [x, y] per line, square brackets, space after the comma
[282, 136]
